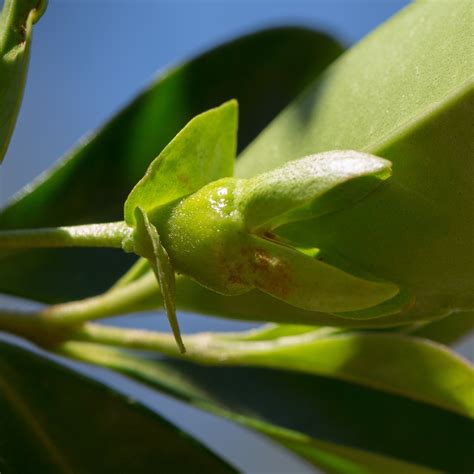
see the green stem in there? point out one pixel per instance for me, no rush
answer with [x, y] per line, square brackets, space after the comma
[58, 321]
[133, 339]
[92, 235]
[140, 295]
[21, 323]
[204, 348]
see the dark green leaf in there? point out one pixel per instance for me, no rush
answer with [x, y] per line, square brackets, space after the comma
[309, 413]
[122, 150]
[16, 25]
[55, 420]
[446, 330]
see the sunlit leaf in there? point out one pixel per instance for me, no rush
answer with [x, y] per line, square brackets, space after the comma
[405, 93]
[406, 365]
[203, 151]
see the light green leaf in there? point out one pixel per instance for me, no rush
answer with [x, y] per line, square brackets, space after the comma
[311, 284]
[57, 421]
[340, 459]
[16, 25]
[203, 151]
[258, 306]
[410, 366]
[405, 365]
[150, 247]
[405, 93]
[310, 187]
[329, 422]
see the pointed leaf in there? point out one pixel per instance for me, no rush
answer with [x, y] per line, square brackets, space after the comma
[203, 151]
[312, 285]
[310, 187]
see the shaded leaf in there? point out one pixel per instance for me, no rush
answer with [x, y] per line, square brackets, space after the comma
[16, 25]
[55, 420]
[447, 330]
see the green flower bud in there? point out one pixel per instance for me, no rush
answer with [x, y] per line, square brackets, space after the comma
[188, 215]
[223, 235]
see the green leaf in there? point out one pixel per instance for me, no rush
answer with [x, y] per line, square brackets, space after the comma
[404, 93]
[153, 250]
[258, 306]
[447, 330]
[405, 365]
[123, 149]
[16, 25]
[408, 366]
[310, 284]
[310, 414]
[310, 187]
[203, 151]
[55, 420]
[403, 230]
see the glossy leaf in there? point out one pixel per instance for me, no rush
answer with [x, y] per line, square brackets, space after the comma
[405, 93]
[57, 421]
[203, 151]
[123, 149]
[310, 187]
[302, 410]
[16, 25]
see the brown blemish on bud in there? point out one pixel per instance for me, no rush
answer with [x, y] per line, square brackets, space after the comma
[271, 274]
